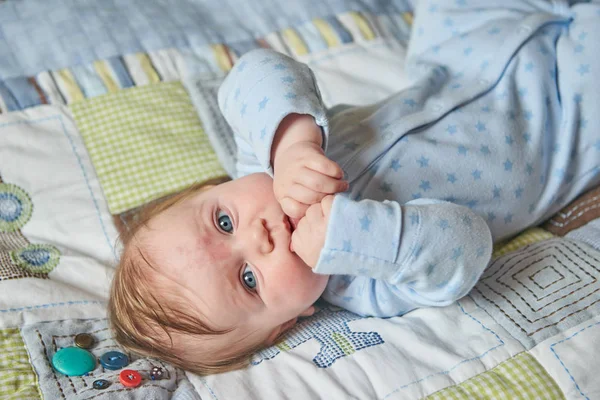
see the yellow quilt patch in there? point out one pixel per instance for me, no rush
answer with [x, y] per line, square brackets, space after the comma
[145, 142]
[521, 377]
[17, 379]
[532, 235]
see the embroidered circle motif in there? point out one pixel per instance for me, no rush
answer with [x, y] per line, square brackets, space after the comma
[15, 207]
[36, 258]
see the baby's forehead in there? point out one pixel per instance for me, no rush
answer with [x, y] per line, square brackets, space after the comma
[199, 241]
[182, 252]
[159, 278]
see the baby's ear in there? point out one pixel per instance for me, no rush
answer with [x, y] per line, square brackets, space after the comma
[308, 312]
[280, 330]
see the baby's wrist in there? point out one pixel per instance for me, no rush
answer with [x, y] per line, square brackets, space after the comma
[295, 128]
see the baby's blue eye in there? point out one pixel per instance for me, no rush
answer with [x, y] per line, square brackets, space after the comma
[248, 278]
[224, 222]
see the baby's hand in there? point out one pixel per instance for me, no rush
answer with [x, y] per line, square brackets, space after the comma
[304, 175]
[309, 237]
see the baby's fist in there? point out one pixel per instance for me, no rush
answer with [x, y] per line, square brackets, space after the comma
[309, 237]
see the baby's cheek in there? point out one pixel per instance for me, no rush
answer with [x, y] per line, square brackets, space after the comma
[293, 281]
[217, 251]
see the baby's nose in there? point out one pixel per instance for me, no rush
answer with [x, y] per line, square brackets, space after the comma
[260, 237]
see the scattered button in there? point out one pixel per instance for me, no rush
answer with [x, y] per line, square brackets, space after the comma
[101, 384]
[114, 360]
[84, 340]
[130, 378]
[73, 361]
[157, 373]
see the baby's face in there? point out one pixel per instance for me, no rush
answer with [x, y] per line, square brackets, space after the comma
[226, 251]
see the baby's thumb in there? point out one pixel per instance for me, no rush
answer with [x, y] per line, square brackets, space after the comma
[296, 245]
[292, 240]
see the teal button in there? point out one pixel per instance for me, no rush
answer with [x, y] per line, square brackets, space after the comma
[114, 360]
[73, 361]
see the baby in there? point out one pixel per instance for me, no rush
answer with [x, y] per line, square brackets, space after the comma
[379, 209]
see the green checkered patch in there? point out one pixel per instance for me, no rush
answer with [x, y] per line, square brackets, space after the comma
[145, 142]
[521, 377]
[17, 379]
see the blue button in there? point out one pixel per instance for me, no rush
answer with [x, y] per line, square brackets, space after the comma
[73, 361]
[114, 360]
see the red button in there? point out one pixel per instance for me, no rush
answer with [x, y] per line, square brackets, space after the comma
[130, 378]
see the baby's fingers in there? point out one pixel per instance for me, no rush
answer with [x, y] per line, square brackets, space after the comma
[304, 195]
[293, 208]
[321, 183]
[324, 165]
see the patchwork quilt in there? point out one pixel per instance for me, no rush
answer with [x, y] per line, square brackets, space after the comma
[99, 117]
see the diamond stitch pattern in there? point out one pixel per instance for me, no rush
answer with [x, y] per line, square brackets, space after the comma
[541, 289]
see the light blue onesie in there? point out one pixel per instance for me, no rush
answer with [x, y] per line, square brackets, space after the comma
[499, 130]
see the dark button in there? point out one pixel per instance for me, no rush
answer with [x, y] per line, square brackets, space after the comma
[84, 340]
[130, 378]
[156, 373]
[101, 384]
[114, 360]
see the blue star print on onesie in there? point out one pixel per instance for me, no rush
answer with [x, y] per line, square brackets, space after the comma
[495, 134]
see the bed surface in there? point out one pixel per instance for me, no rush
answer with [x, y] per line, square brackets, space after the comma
[105, 108]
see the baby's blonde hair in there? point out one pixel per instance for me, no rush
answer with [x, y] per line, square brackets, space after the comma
[145, 324]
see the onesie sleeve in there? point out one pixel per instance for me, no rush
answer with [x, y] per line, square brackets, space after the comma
[426, 252]
[264, 87]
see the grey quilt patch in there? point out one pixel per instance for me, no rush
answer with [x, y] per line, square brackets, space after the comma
[44, 339]
[204, 93]
[589, 233]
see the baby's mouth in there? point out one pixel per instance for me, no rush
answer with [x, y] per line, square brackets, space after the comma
[293, 223]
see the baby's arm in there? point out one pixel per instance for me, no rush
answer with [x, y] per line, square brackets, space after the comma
[424, 253]
[261, 90]
[274, 107]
